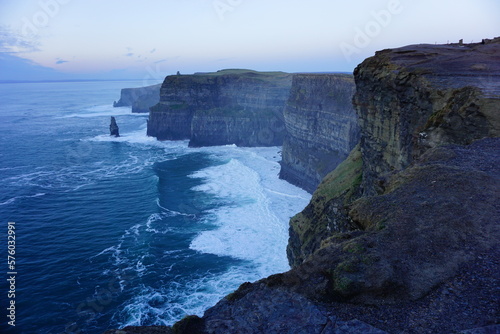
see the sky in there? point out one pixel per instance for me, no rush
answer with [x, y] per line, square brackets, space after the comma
[148, 39]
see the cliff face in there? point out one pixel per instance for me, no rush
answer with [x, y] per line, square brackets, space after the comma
[140, 99]
[414, 204]
[321, 127]
[227, 107]
[404, 233]
[417, 97]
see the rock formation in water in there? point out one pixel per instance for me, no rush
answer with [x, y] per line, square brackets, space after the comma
[140, 99]
[113, 128]
[321, 126]
[403, 235]
[239, 107]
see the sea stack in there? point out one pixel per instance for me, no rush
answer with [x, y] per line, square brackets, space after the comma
[113, 128]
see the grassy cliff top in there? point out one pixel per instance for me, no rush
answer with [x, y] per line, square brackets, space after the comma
[230, 75]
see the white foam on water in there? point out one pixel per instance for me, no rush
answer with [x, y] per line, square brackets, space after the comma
[13, 199]
[255, 225]
[251, 224]
[175, 300]
[76, 174]
[140, 137]
[105, 110]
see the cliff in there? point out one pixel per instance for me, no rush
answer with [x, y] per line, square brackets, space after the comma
[140, 99]
[408, 100]
[321, 127]
[240, 107]
[422, 96]
[403, 235]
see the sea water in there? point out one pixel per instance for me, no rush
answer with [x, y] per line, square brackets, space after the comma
[112, 232]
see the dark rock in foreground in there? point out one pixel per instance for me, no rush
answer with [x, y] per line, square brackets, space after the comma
[426, 259]
[113, 128]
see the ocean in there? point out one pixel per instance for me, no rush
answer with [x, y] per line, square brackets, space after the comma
[112, 232]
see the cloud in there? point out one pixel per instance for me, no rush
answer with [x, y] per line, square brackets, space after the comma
[61, 61]
[12, 42]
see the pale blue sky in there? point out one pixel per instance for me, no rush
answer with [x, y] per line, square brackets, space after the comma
[152, 38]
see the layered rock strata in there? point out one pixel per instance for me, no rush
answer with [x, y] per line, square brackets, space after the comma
[414, 205]
[422, 96]
[240, 107]
[404, 234]
[321, 126]
[408, 100]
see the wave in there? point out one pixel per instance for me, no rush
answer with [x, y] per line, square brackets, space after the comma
[254, 224]
[76, 174]
[13, 199]
[104, 111]
[174, 300]
[140, 137]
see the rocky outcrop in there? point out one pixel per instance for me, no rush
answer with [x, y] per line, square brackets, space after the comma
[113, 128]
[326, 214]
[422, 96]
[403, 235]
[415, 238]
[240, 107]
[321, 126]
[408, 100]
[140, 99]
[406, 212]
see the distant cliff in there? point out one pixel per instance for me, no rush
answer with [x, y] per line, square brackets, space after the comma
[240, 107]
[140, 99]
[321, 126]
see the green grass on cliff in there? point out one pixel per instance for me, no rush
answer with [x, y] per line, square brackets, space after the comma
[240, 74]
[344, 179]
[341, 186]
